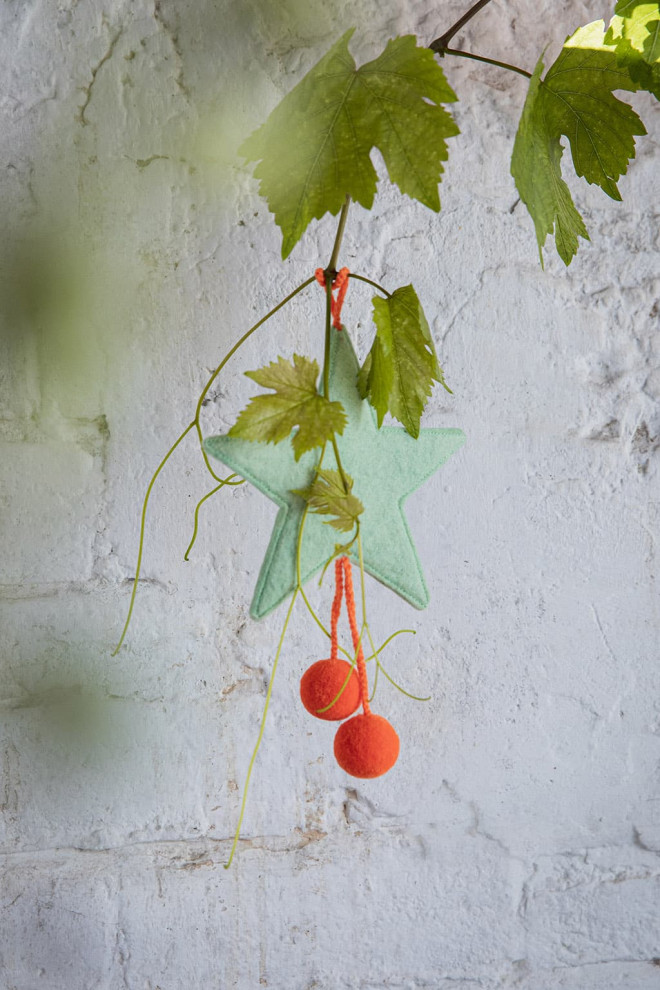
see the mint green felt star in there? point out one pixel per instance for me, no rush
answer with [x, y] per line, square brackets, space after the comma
[386, 466]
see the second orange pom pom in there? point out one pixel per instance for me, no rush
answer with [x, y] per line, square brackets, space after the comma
[366, 746]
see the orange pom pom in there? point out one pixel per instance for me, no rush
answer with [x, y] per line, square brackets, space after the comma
[366, 746]
[322, 682]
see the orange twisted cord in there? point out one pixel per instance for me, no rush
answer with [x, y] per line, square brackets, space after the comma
[350, 608]
[336, 608]
[340, 283]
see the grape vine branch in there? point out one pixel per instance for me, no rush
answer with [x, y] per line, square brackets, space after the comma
[313, 157]
[441, 45]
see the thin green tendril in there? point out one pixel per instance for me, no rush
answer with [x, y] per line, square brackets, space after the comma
[377, 652]
[363, 597]
[261, 728]
[374, 656]
[362, 278]
[208, 495]
[299, 584]
[239, 343]
[142, 524]
[398, 686]
[297, 589]
[340, 551]
[204, 454]
[373, 692]
[320, 711]
[196, 426]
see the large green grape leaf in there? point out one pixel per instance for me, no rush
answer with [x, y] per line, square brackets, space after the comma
[640, 25]
[295, 402]
[574, 100]
[398, 374]
[635, 31]
[328, 496]
[314, 149]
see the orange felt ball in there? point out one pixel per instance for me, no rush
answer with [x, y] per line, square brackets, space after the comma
[366, 746]
[322, 682]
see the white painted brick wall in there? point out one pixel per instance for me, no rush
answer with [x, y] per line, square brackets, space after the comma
[516, 843]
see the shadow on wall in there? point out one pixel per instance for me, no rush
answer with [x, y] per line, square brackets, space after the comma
[88, 768]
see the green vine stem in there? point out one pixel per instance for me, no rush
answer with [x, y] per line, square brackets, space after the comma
[376, 653]
[248, 333]
[196, 525]
[483, 58]
[364, 601]
[441, 45]
[363, 594]
[444, 40]
[208, 463]
[413, 697]
[143, 520]
[332, 264]
[386, 643]
[352, 658]
[262, 726]
[300, 589]
[320, 711]
[226, 358]
[373, 690]
[329, 276]
[369, 281]
[341, 550]
[195, 424]
[326, 349]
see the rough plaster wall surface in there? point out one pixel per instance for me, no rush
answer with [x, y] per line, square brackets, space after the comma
[516, 844]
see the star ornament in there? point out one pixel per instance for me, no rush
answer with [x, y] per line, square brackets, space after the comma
[386, 466]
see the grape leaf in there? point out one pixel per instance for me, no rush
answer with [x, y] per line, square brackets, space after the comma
[398, 374]
[295, 402]
[327, 496]
[314, 149]
[635, 31]
[574, 100]
[638, 21]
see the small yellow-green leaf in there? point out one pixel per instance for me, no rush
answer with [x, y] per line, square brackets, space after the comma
[328, 496]
[295, 402]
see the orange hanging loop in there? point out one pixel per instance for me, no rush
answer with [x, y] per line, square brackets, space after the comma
[357, 644]
[340, 284]
[330, 688]
[336, 608]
